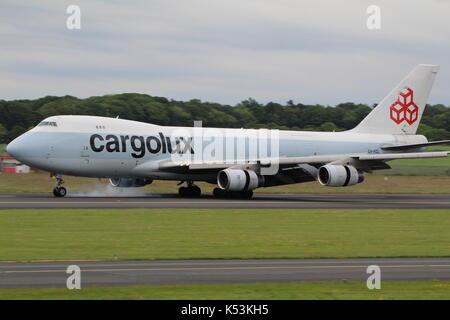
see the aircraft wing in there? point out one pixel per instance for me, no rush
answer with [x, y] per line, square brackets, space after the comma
[365, 162]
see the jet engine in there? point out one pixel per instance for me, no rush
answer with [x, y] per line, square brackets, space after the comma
[239, 180]
[339, 176]
[129, 182]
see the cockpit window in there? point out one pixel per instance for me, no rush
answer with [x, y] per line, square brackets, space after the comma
[47, 124]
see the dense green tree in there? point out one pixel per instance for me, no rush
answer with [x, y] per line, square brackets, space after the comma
[328, 126]
[17, 116]
[433, 134]
[3, 133]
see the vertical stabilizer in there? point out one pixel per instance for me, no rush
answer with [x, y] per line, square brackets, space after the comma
[401, 110]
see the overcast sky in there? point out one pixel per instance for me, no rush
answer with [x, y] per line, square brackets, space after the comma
[315, 51]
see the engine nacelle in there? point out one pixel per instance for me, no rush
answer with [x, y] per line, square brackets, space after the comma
[339, 176]
[129, 182]
[239, 180]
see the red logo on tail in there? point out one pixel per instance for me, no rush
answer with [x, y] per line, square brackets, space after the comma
[404, 109]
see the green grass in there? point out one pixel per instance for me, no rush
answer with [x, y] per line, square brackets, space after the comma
[269, 291]
[427, 162]
[415, 171]
[205, 233]
[2, 149]
[443, 147]
[41, 182]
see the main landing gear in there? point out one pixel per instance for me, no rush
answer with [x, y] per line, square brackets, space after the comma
[220, 193]
[191, 191]
[59, 191]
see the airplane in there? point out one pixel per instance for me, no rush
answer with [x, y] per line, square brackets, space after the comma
[134, 154]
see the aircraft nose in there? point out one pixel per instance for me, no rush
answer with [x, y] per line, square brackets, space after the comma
[31, 148]
[12, 148]
[17, 148]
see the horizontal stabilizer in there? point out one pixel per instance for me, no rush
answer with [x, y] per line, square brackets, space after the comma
[415, 145]
[409, 155]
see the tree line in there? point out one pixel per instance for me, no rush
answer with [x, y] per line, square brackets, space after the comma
[17, 116]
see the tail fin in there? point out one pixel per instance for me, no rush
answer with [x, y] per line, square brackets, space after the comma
[401, 110]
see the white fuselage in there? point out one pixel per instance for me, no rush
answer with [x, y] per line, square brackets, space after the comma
[106, 147]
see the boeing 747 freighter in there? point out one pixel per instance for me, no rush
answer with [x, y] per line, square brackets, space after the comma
[133, 154]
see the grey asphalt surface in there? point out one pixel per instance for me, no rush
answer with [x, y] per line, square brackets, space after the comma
[170, 272]
[283, 201]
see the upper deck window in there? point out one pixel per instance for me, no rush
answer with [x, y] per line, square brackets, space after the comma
[47, 124]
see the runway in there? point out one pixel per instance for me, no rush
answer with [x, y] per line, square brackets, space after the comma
[260, 200]
[171, 272]
[274, 201]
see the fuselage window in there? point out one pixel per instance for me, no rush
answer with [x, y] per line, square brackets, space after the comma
[47, 124]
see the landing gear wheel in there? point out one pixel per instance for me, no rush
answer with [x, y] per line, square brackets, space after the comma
[246, 194]
[196, 192]
[192, 191]
[182, 191]
[220, 193]
[59, 192]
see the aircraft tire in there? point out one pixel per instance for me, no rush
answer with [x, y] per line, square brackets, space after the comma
[59, 192]
[241, 194]
[182, 191]
[246, 194]
[219, 193]
[196, 192]
[190, 192]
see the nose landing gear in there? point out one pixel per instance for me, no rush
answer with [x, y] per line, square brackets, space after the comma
[59, 191]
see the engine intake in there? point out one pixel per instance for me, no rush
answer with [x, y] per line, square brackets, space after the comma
[129, 182]
[239, 180]
[339, 176]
